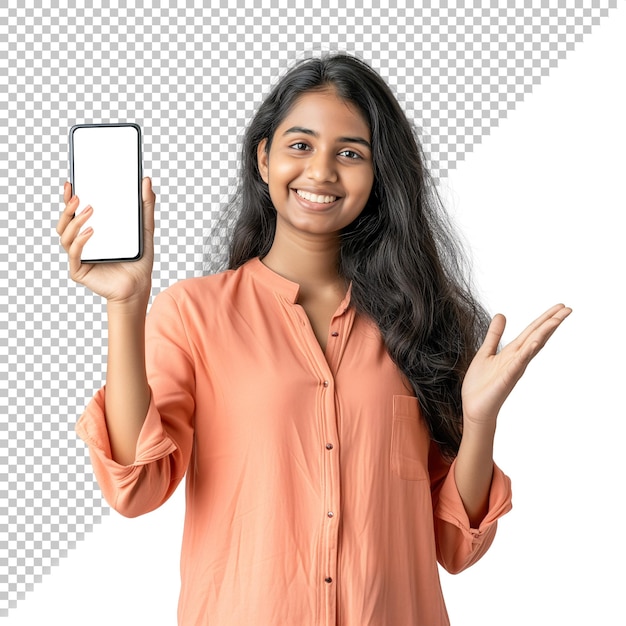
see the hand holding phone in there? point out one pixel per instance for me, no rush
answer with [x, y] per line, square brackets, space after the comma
[122, 283]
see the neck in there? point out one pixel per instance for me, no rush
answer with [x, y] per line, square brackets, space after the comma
[310, 262]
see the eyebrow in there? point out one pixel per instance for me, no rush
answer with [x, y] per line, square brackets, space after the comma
[308, 131]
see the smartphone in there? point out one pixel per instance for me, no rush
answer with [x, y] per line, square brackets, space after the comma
[105, 172]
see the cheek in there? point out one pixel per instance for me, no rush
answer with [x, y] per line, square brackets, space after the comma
[367, 185]
[281, 173]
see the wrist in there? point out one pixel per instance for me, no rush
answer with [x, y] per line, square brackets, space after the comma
[479, 421]
[482, 433]
[134, 306]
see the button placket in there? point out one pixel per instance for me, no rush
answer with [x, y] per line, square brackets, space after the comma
[324, 366]
[329, 422]
[330, 529]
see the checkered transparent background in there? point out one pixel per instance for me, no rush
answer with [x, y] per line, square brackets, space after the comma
[191, 76]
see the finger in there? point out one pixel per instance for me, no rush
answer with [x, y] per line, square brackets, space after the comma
[72, 229]
[540, 336]
[75, 251]
[67, 215]
[563, 313]
[551, 312]
[67, 192]
[149, 200]
[494, 335]
[540, 331]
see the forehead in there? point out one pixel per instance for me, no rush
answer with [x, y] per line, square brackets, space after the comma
[323, 111]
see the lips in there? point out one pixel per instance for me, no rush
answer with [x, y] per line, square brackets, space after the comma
[317, 198]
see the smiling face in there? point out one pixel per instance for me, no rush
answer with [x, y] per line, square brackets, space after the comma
[319, 166]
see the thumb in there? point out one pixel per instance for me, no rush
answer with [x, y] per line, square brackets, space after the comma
[494, 334]
[148, 200]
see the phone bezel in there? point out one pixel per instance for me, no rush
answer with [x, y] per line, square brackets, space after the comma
[137, 128]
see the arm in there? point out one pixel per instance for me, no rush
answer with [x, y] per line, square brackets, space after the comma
[163, 444]
[459, 542]
[127, 390]
[489, 380]
[139, 444]
[473, 471]
[126, 287]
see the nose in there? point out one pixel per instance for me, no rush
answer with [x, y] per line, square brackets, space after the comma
[322, 166]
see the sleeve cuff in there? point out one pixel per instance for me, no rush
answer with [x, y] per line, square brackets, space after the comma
[451, 507]
[153, 442]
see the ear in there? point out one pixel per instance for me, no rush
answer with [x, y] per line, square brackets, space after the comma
[262, 158]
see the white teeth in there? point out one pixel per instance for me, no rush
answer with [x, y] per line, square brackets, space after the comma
[311, 197]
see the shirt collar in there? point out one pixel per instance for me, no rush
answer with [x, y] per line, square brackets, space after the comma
[277, 283]
[283, 286]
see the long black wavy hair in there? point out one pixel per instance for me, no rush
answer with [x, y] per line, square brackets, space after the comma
[407, 268]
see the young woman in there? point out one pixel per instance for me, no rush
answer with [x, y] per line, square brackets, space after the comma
[332, 397]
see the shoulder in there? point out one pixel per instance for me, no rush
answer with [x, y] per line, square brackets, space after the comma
[198, 287]
[214, 291]
[192, 309]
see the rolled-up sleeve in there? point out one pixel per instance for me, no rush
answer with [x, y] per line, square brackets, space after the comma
[458, 544]
[165, 441]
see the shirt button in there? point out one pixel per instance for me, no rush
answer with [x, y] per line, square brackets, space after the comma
[334, 334]
[328, 579]
[329, 446]
[326, 383]
[330, 514]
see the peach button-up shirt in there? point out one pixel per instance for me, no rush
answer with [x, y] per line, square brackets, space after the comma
[313, 493]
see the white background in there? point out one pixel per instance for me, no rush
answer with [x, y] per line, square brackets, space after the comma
[541, 202]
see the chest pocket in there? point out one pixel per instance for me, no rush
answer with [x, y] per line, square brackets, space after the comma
[410, 440]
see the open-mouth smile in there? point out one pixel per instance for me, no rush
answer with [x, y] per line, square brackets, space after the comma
[316, 198]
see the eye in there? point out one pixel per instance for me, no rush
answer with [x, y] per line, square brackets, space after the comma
[300, 145]
[350, 154]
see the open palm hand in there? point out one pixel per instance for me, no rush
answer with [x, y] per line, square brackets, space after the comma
[492, 375]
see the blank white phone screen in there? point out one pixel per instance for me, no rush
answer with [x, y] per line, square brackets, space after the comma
[106, 174]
